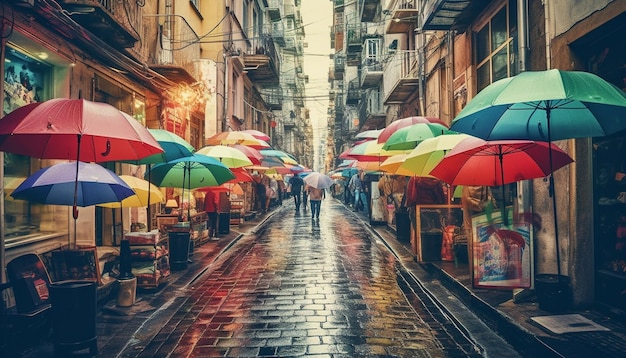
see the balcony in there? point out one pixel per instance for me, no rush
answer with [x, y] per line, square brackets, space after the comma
[338, 5]
[400, 79]
[354, 41]
[403, 18]
[177, 49]
[354, 92]
[262, 62]
[112, 21]
[340, 66]
[273, 97]
[273, 10]
[371, 110]
[450, 14]
[368, 9]
[371, 72]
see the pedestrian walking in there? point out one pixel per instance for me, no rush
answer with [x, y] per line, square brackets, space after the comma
[295, 187]
[210, 207]
[355, 187]
[315, 197]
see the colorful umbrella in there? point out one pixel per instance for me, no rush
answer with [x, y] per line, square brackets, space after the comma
[475, 161]
[257, 134]
[423, 158]
[393, 165]
[75, 129]
[191, 172]
[410, 136]
[567, 104]
[174, 147]
[56, 185]
[283, 156]
[371, 151]
[145, 194]
[236, 137]
[253, 154]
[405, 122]
[229, 156]
[369, 134]
[318, 180]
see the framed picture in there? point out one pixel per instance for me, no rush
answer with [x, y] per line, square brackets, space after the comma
[436, 225]
[502, 255]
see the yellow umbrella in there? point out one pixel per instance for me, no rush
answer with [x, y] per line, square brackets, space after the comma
[229, 156]
[143, 189]
[423, 158]
[393, 165]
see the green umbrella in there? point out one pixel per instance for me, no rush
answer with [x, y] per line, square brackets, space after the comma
[423, 158]
[194, 171]
[409, 137]
[545, 106]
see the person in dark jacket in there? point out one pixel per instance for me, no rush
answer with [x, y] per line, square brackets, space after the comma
[295, 185]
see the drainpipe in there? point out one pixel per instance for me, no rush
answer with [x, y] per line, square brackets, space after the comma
[547, 10]
[450, 74]
[522, 20]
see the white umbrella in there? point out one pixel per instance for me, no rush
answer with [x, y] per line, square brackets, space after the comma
[318, 180]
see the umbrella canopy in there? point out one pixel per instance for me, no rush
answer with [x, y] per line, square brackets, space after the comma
[283, 156]
[369, 134]
[174, 147]
[75, 129]
[241, 176]
[191, 172]
[475, 161]
[257, 134]
[318, 180]
[423, 158]
[567, 104]
[56, 185]
[393, 165]
[405, 122]
[371, 151]
[229, 156]
[253, 154]
[146, 194]
[410, 136]
[236, 137]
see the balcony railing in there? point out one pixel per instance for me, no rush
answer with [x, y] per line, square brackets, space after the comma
[400, 79]
[111, 20]
[273, 97]
[354, 92]
[371, 109]
[179, 47]
[262, 61]
[444, 14]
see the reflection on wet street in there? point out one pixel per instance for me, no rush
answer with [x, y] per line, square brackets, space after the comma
[303, 287]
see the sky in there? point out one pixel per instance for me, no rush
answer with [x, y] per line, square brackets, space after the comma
[317, 18]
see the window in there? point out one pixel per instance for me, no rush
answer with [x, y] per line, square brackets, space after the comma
[496, 47]
[26, 80]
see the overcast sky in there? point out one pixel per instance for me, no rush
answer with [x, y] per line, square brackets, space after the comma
[317, 18]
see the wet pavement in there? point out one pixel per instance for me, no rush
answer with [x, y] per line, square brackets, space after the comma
[293, 286]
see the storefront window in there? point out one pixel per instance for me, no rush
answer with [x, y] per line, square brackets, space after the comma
[26, 80]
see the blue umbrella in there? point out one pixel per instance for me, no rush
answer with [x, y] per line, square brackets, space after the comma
[55, 185]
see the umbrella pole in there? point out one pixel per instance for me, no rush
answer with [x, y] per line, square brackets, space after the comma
[148, 211]
[75, 206]
[553, 195]
[505, 219]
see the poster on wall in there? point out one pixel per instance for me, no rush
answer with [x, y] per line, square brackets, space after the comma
[502, 255]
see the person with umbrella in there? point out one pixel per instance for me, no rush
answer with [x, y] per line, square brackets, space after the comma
[295, 187]
[210, 207]
[315, 198]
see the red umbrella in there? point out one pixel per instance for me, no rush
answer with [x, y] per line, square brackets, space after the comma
[253, 154]
[257, 134]
[405, 122]
[75, 129]
[475, 161]
[241, 176]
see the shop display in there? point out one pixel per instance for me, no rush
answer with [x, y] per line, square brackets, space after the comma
[150, 257]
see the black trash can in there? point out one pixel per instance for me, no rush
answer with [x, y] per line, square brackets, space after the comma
[431, 245]
[553, 292]
[223, 225]
[403, 226]
[179, 249]
[74, 305]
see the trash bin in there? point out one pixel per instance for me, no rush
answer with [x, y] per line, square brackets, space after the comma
[74, 316]
[431, 246]
[223, 226]
[403, 226]
[179, 249]
[553, 292]
[126, 291]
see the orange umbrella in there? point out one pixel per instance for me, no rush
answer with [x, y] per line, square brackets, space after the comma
[236, 137]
